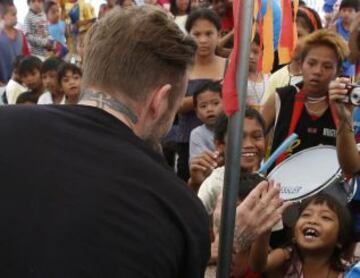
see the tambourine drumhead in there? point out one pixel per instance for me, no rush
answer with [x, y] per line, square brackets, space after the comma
[307, 172]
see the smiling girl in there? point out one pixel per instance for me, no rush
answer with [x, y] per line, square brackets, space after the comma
[321, 244]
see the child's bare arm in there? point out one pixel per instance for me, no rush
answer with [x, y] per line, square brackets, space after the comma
[259, 251]
[261, 260]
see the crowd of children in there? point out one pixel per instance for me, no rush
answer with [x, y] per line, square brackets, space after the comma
[41, 64]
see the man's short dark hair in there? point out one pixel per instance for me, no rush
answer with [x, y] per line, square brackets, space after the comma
[349, 4]
[210, 85]
[29, 64]
[68, 67]
[5, 6]
[50, 64]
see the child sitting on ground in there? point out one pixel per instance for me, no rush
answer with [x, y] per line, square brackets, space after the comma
[30, 76]
[69, 78]
[14, 88]
[208, 106]
[49, 76]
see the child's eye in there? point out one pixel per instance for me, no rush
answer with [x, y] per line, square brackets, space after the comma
[327, 218]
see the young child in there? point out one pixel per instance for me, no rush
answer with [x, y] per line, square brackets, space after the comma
[257, 81]
[49, 76]
[30, 75]
[36, 30]
[26, 98]
[322, 243]
[56, 26]
[208, 105]
[69, 78]
[12, 41]
[14, 88]
[347, 12]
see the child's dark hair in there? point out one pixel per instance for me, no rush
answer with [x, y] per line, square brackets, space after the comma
[310, 17]
[29, 64]
[256, 39]
[48, 5]
[5, 5]
[345, 238]
[26, 97]
[210, 85]
[349, 4]
[68, 67]
[174, 9]
[50, 64]
[16, 63]
[222, 123]
[29, 1]
[202, 13]
[247, 183]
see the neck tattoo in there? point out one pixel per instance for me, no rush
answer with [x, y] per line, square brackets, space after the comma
[103, 100]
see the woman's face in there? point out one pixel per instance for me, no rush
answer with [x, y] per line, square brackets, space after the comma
[182, 6]
[206, 36]
[302, 28]
[319, 67]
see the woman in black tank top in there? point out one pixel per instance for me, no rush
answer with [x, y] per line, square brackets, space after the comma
[204, 26]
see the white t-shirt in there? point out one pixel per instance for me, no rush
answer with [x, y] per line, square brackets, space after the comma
[46, 98]
[211, 189]
[13, 91]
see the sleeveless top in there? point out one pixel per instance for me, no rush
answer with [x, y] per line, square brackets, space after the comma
[188, 121]
[312, 132]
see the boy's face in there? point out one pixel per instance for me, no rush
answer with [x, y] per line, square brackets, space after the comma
[253, 147]
[209, 106]
[50, 83]
[32, 79]
[10, 18]
[347, 14]
[36, 6]
[70, 84]
[53, 14]
[255, 53]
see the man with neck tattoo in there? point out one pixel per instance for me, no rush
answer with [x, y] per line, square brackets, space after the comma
[87, 194]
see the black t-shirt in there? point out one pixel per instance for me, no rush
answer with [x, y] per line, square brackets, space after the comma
[82, 196]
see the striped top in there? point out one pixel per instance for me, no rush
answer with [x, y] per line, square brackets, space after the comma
[36, 32]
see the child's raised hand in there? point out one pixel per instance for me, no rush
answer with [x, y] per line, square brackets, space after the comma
[202, 165]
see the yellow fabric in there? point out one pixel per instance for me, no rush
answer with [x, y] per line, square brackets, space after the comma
[278, 79]
[268, 35]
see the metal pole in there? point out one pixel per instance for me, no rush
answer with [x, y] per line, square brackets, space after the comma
[234, 143]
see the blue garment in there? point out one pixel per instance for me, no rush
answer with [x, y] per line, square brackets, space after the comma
[354, 272]
[356, 123]
[9, 49]
[329, 6]
[57, 32]
[276, 7]
[347, 69]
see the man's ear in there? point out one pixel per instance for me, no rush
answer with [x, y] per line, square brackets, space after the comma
[159, 102]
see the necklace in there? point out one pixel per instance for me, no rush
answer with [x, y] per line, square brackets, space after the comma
[254, 92]
[313, 112]
[313, 100]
